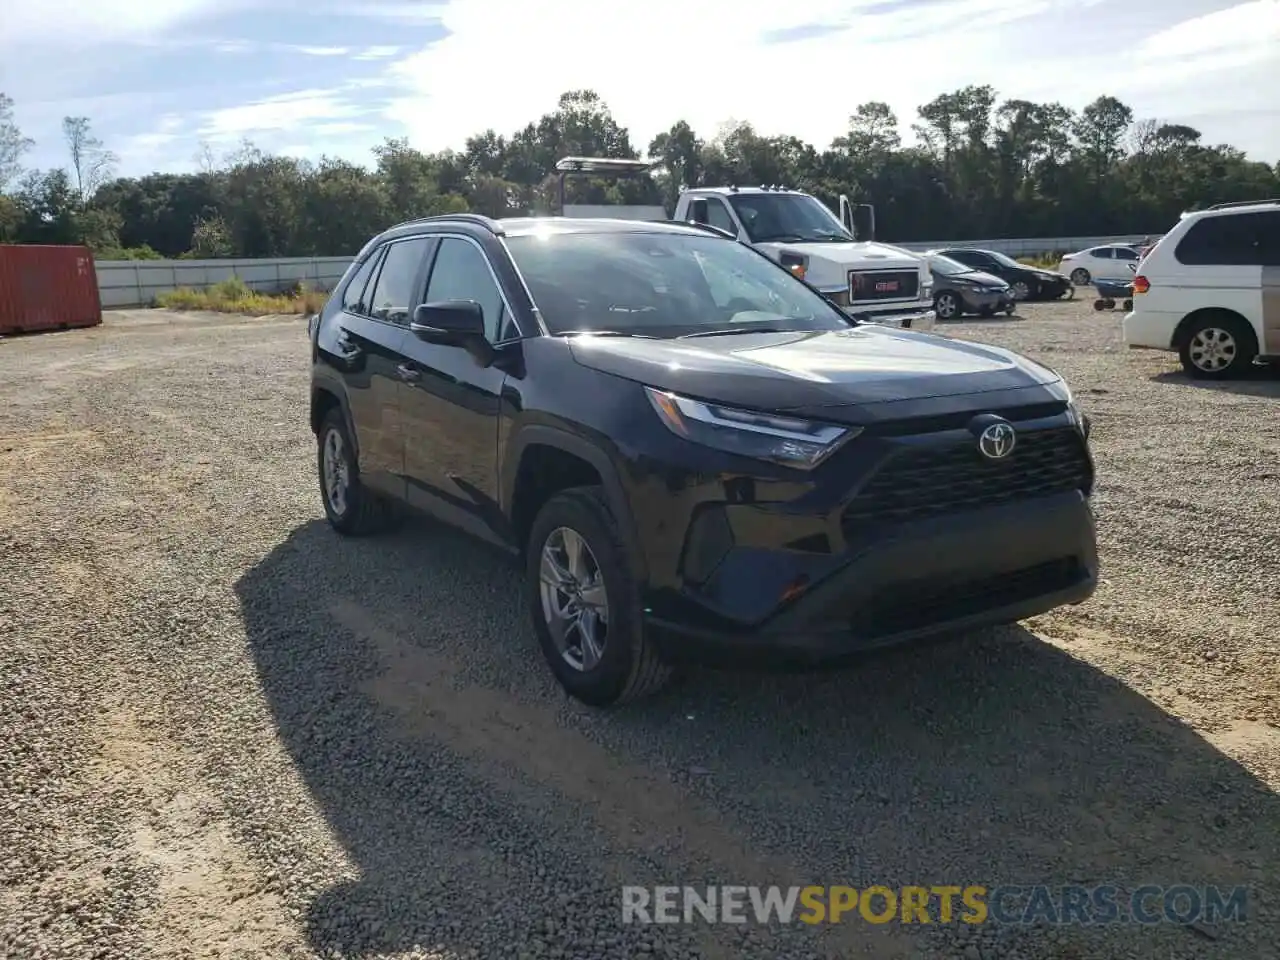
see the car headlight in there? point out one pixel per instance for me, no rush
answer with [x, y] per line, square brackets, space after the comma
[790, 441]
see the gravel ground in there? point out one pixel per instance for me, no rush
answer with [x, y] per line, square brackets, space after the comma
[226, 732]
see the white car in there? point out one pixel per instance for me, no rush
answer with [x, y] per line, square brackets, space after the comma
[1210, 290]
[1112, 262]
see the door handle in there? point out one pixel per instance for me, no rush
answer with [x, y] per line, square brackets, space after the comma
[408, 371]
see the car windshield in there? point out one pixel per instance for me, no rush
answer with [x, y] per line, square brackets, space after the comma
[663, 285]
[1004, 259]
[948, 267]
[789, 217]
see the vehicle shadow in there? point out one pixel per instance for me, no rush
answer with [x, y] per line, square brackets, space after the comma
[413, 700]
[1259, 382]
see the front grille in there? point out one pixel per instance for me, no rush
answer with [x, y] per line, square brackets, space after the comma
[911, 606]
[920, 482]
[883, 285]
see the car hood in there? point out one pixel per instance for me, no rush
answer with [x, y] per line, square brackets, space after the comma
[977, 276]
[841, 372]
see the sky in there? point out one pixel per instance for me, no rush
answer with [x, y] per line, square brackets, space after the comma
[159, 78]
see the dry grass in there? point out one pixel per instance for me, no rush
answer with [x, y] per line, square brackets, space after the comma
[1044, 261]
[235, 296]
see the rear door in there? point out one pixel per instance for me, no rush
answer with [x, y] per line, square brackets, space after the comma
[365, 347]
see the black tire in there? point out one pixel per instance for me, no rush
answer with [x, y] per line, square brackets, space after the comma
[630, 666]
[360, 512]
[1010, 309]
[1023, 290]
[1080, 277]
[1243, 350]
[948, 305]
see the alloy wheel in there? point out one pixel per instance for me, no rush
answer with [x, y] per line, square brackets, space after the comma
[575, 605]
[337, 474]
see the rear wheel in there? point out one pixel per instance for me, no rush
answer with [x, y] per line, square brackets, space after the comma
[1080, 277]
[947, 305]
[584, 603]
[350, 506]
[1218, 346]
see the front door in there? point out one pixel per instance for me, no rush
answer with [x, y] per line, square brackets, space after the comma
[451, 404]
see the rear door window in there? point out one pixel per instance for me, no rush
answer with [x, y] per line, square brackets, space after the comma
[353, 296]
[1237, 240]
[718, 216]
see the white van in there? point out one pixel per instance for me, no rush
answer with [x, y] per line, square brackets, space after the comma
[1210, 290]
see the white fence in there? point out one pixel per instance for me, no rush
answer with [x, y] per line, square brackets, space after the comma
[136, 283]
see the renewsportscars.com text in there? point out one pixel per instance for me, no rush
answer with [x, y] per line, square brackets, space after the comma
[973, 904]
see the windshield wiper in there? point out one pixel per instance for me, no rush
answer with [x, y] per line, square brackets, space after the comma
[838, 237]
[733, 330]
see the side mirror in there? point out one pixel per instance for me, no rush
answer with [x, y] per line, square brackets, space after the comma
[864, 221]
[452, 322]
[698, 210]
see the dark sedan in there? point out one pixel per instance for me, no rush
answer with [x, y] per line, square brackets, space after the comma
[960, 289]
[1027, 283]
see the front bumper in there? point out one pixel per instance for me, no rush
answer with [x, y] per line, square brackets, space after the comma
[978, 300]
[996, 565]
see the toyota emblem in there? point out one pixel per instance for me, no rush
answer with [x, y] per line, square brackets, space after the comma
[997, 441]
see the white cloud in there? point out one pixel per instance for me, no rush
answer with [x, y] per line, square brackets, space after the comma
[78, 22]
[664, 60]
[315, 51]
[1245, 33]
[377, 53]
[288, 112]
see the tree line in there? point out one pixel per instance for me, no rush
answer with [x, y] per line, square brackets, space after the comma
[980, 168]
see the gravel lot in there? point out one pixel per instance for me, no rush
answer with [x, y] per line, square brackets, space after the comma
[228, 733]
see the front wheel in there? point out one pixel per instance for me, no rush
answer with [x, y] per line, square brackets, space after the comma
[1021, 290]
[350, 506]
[947, 305]
[1218, 347]
[584, 603]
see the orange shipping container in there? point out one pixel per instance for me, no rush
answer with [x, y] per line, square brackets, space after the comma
[47, 288]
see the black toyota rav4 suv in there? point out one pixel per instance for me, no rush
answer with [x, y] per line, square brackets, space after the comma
[689, 447]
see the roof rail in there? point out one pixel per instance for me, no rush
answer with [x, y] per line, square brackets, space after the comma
[1245, 203]
[490, 224]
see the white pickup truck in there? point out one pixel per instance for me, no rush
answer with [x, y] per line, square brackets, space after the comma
[872, 281]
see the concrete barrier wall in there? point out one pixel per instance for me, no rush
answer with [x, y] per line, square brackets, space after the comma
[136, 283]
[1032, 246]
